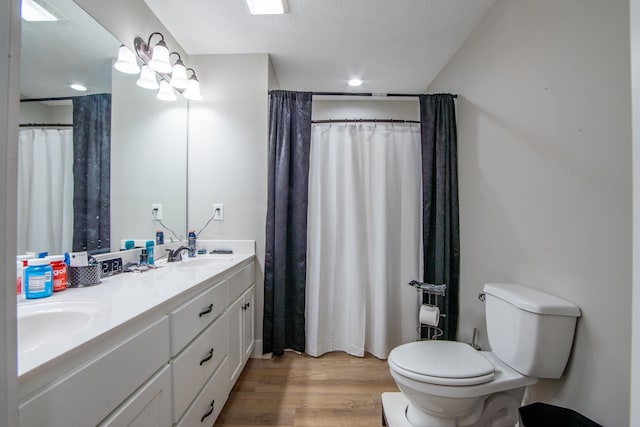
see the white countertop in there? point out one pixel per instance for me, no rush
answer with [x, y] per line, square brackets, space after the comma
[111, 305]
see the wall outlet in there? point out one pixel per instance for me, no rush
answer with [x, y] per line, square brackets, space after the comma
[156, 211]
[218, 212]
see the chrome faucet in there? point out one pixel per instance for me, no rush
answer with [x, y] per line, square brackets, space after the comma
[176, 255]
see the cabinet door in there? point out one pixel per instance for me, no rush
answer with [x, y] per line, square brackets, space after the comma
[248, 334]
[150, 406]
[235, 349]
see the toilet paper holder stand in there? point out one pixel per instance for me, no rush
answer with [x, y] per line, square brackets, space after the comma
[429, 294]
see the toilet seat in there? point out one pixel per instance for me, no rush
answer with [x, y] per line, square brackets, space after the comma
[441, 362]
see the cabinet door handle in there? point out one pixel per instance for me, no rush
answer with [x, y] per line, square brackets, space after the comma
[206, 310]
[209, 411]
[248, 304]
[209, 356]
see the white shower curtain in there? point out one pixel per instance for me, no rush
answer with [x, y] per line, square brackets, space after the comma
[364, 237]
[45, 190]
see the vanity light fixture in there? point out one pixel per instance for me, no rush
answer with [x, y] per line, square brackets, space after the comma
[192, 92]
[268, 7]
[179, 73]
[126, 62]
[166, 92]
[148, 78]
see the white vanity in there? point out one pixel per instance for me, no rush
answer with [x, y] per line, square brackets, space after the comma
[159, 348]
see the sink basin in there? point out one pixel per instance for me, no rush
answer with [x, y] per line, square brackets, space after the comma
[204, 260]
[42, 322]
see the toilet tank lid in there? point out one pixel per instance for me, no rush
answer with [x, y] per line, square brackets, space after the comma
[532, 300]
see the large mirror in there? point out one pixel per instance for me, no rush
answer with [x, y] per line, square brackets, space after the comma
[148, 136]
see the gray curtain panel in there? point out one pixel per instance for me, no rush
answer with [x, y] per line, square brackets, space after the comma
[441, 231]
[286, 233]
[92, 173]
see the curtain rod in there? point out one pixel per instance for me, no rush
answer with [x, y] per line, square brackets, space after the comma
[45, 125]
[62, 98]
[364, 121]
[371, 94]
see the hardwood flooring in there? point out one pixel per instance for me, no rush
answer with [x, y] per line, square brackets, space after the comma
[298, 390]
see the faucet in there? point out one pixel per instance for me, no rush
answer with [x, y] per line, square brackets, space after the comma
[177, 254]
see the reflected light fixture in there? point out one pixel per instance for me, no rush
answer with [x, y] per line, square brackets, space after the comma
[159, 56]
[179, 74]
[126, 62]
[33, 11]
[355, 82]
[166, 92]
[148, 78]
[192, 93]
[78, 87]
[268, 7]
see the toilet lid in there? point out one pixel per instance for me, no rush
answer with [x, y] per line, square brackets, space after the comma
[442, 362]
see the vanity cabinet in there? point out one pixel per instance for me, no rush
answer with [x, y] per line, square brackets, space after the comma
[241, 321]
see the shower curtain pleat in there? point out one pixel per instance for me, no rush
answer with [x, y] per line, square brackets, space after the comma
[363, 238]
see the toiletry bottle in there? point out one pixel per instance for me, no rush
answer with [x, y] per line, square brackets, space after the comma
[192, 243]
[21, 264]
[150, 251]
[59, 272]
[144, 257]
[38, 279]
[159, 237]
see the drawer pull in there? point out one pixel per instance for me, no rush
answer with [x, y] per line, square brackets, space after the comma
[209, 356]
[209, 411]
[206, 310]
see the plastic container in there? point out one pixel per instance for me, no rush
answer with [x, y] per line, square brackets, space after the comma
[59, 272]
[159, 237]
[192, 243]
[21, 264]
[38, 279]
[150, 251]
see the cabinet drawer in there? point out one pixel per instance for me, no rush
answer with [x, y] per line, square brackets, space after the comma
[112, 378]
[195, 365]
[191, 318]
[209, 403]
[241, 281]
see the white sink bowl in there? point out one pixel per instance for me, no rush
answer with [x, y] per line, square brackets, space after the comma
[204, 260]
[40, 323]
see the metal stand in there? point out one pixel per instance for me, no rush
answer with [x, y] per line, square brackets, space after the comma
[433, 295]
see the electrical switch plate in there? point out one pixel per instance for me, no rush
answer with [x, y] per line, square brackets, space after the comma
[218, 212]
[156, 214]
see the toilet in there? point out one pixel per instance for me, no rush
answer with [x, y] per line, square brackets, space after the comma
[446, 383]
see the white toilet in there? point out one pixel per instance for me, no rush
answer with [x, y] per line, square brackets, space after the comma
[447, 383]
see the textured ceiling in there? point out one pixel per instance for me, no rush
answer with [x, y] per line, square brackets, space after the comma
[393, 46]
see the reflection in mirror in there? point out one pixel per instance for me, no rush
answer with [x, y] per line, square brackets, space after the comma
[148, 136]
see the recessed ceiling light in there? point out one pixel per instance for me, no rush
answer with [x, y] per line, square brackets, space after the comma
[78, 86]
[268, 7]
[32, 11]
[355, 82]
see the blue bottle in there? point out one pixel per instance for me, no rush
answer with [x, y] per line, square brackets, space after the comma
[192, 243]
[159, 237]
[38, 279]
[150, 250]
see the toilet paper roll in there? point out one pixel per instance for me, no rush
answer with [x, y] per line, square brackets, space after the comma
[429, 315]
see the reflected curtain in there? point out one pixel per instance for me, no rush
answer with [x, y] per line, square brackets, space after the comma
[440, 227]
[92, 173]
[364, 237]
[286, 230]
[45, 190]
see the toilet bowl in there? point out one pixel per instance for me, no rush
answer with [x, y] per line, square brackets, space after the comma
[451, 384]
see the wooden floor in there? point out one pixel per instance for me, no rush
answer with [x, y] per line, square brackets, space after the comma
[297, 390]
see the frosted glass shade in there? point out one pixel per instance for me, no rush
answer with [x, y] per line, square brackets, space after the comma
[126, 62]
[166, 92]
[148, 78]
[160, 58]
[179, 76]
[192, 92]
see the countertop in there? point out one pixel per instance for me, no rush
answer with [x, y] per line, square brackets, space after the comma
[116, 302]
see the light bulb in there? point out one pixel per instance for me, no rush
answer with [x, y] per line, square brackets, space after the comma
[192, 92]
[179, 76]
[148, 78]
[126, 62]
[160, 58]
[166, 92]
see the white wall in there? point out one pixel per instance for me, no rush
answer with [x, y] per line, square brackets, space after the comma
[227, 155]
[38, 112]
[545, 179]
[340, 108]
[9, 111]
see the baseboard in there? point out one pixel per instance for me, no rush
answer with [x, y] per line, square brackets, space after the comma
[257, 351]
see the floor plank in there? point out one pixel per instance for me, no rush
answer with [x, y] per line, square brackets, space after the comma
[302, 391]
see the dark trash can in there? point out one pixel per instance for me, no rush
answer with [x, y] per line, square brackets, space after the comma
[544, 415]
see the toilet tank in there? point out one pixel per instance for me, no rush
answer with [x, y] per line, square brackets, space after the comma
[530, 330]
